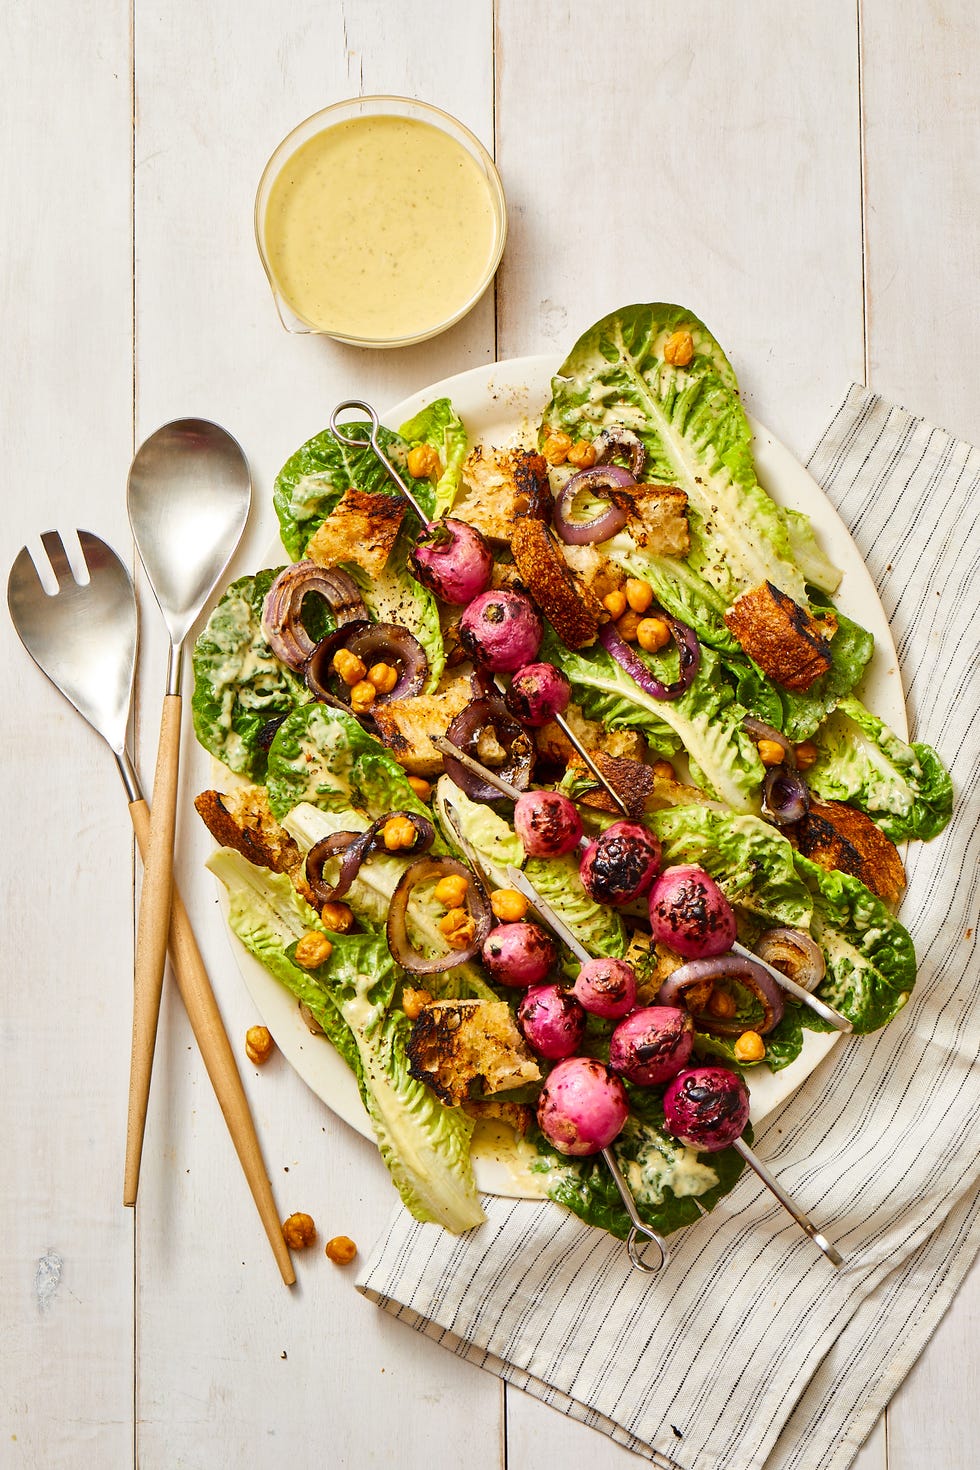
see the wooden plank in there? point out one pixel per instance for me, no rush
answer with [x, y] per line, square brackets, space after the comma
[685, 154]
[66, 1288]
[232, 1367]
[922, 133]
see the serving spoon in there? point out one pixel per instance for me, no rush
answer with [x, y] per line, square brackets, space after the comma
[188, 500]
[83, 638]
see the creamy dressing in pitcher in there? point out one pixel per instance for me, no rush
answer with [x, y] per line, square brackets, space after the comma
[379, 228]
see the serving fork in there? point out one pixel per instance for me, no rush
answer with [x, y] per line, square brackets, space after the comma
[83, 637]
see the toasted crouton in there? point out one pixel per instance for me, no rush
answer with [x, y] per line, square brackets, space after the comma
[836, 835]
[554, 746]
[456, 1043]
[782, 637]
[516, 1115]
[573, 611]
[361, 528]
[242, 820]
[633, 780]
[593, 570]
[407, 725]
[499, 488]
[656, 517]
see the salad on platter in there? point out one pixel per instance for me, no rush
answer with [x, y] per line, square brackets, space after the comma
[619, 576]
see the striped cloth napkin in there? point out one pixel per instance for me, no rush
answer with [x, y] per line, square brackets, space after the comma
[751, 1351]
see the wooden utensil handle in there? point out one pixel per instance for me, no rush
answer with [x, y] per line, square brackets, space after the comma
[151, 937]
[212, 1039]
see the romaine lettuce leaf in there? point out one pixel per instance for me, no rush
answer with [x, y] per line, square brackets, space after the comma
[676, 587]
[239, 685]
[665, 1176]
[870, 958]
[808, 554]
[850, 652]
[320, 754]
[695, 433]
[440, 426]
[312, 481]
[706, 720]
[598, 928]
[904, 788]
[490, 835]
[424, 1144]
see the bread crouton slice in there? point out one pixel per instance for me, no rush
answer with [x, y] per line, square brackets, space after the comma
[499, 488]
[554, 746]
[785, 641]
[362, 528]
[516, 1115]
[243, 820]
[458, 1043]
[836, 835]
[656, 517]
[574, 612]
[407, 726]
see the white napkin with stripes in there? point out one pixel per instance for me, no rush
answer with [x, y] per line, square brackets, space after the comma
[751, 1351]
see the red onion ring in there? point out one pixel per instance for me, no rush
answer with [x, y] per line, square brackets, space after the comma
[396, 929]
[795, 953]
[464, 731]
[720, 967]
[687, 645]
[372, 643]
[595, 480]
[785, 797]
[356, 846]
[282, 624]
[617, 440]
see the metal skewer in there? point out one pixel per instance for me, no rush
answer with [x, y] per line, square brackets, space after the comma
[446, 747]
[525, 886]
[592, 764]
[826, 1012]
[341, 432]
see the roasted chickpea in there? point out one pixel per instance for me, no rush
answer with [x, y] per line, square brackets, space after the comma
[555, 448]
[414, 1001]
[679, 349]
[313, 949]
[639, 594]
[806, 755]
[508, 905]
[383, 677]
[451, 891]
[582, 455]
[615, 603]
[299, 1231]
[362, 696]
[749, 1047]
[652, 634]
[664, 771]
[770, 754]
[421, 787]
[398, 833]
[259, 1045]
[458, 928]
[337, 916]
[341, 1250]
[627, 625]
[423, 462]
[350, 668]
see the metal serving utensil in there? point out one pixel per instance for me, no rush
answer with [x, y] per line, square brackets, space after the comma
[83, 638]
[342, 431]
[554, 920]
[188, 498]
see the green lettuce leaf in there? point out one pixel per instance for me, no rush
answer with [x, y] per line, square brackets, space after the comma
[440, 426]
[904, 788]
[598, 928]
[321, 755]
[706, 720]
[665, 1176]
[870, 958]
[783, 1043]
[676, 587]
[424, 1144]
[312, 481]
[808, 554]
[696, 435]
[850, 652]
[489, 834]
[239, 685]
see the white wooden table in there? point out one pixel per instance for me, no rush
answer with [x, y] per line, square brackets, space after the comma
[803, 175]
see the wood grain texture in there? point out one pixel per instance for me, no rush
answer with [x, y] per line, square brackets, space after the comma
[66, 1244]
